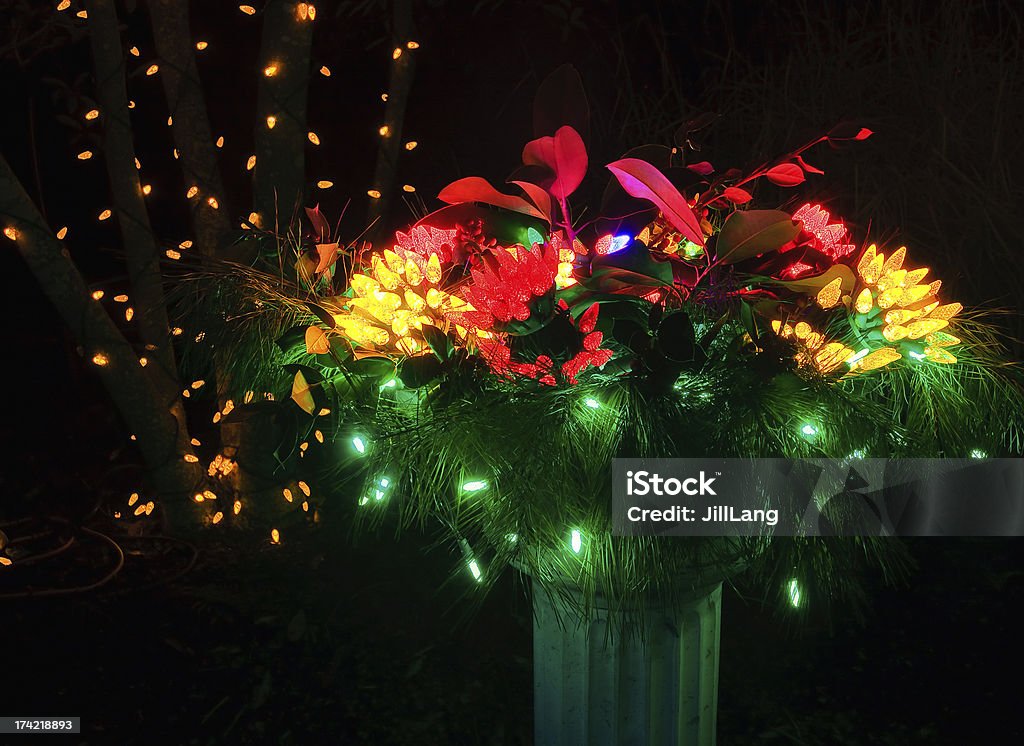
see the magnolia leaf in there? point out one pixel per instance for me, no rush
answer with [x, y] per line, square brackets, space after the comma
[750, 232]
[316, 341]
[566, 156]
[785, 175]
[641, 179]
[736, 195]
[439, 343]
[322, 314]
[538, 195]
[327, 253]
[811, 285]
[703, 168]
[477, 189]
[305, 266]
[420, 370]
[302, 394]
[561, 100]
[808, 167]
[321, 228]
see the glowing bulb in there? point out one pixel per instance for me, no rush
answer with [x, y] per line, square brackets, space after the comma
[201, 45]
[62, 233]
[247, 9]
[212, 202]
[147, 189]
[576, 541]
[809, 430]
[397, 53]
[411, 145]
[313, 138]
[92, 114]
[100, 359]
[474, 486]
[978, 453]
[11, 233]
[192, 192]
[220, 142]
[474, 568]
[97, 294]
[85, 155]
[359, 444]
[325, 71]
[271, 121]
[133, 51]
[408, 188]
[793, 590]
[63, 5]
[325, 184]
[270, 70]
[152, 69]
[104, 215]
[218, 517]
[609, 244]
[384, 131]
[592, 403]
[275, 536]
[374, 193]
[413, 45]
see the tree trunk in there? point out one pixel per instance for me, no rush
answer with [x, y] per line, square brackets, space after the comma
[281, 149]
[143, 258]
[190, 122]
[146, 412]
[402, 70]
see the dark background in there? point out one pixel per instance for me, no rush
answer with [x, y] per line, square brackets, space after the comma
[319, 641]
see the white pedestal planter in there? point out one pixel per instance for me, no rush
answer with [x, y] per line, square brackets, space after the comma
[596, 689]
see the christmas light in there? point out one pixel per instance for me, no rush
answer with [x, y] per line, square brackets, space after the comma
[576, 541]
[359, 444]
[474, 569]
[201, 45]
[270, 70]
[809, 430]
[793, 591]
[609, 244]
[411, 145]
[92, 114]
[325, 184]
[474, 486]
[325, 71]
[592, 403]
[978, 453]
[152, 69]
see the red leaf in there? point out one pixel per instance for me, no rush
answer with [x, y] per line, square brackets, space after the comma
[864, 134]
[737, 196]
[566, 156]
[703, 168]
[808, 167]
[476, 189]
[538, 196]
[641, 179]
[321, 227]
[785, 175]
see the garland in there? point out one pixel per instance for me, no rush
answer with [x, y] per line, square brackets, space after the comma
[484, 368]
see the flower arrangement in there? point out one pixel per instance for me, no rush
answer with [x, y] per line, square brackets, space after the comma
[483, 368]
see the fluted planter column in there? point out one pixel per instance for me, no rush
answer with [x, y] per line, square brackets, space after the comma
[594, 687]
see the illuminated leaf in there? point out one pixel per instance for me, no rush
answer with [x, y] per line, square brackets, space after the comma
[751, 232]
[317, 342]
[643, 180]
[736, 195]
[477, 189]
[564, 154]
[302, 395]
[785, 175]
